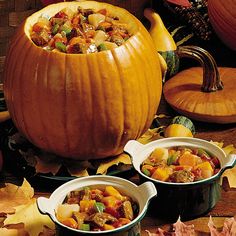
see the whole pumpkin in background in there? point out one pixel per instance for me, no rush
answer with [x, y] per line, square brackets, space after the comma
[222, 15]
[83, 106]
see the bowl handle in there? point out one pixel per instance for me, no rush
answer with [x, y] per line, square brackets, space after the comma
[132, 146]
[148, 190]
[230, 163]
[44, 205]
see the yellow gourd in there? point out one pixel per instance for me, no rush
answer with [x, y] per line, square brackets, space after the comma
[164, 43]
[162, 39]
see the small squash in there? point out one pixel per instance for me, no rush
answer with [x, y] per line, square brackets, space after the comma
[83, 106]
[206, 94]
[180, 126]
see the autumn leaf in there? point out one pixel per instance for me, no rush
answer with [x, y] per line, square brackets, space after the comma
[34, 222]
[47, 163]
[106, 164]
[230, 174]
[14, 230]
[12, 195]
[151, 135]
[77, 168]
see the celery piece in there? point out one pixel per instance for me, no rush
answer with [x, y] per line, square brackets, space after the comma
[66, 29]
[55, 29]
[85, 227]
[99, 206]
[60, 46]
[146, 172]
[102, 47]
[172, 159]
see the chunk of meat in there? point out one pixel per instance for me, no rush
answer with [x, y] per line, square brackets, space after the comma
[181, 176]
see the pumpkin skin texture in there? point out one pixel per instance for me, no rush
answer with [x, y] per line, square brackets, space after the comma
[222, 15]
[83, 106]
[183, 93]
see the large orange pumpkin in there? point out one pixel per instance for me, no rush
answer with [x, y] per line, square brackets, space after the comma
[83, 106]
[222, 15]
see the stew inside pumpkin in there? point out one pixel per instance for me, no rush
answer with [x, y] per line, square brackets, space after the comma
[84, 31]
[180, 164]
[96, 209]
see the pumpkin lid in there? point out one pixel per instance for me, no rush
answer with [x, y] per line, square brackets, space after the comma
[206, 94]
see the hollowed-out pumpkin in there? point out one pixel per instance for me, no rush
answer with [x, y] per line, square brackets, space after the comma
[83, 106]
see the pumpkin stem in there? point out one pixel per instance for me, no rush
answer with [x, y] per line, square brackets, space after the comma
[211, 77]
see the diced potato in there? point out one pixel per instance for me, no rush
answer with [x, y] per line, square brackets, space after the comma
[68, 12]
[111, 201]
[95, 19]
[65, 211]
[206, 169]
[188, 159]
[162, 174]
[99, 37]
[159, 154]
[111, 191]
[110, 45]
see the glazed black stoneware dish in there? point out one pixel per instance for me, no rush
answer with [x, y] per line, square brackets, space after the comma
[184, 200]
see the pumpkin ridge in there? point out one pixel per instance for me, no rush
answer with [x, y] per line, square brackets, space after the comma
[145, 102]
[91, 142]
[125, 127]
[98, 109]
[138, 80]
[123, 133]
[147, 120]
[24, 54]
[66, 112]
[39, 104]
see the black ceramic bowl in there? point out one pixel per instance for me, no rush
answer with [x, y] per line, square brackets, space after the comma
[141, 194]
[187, 200]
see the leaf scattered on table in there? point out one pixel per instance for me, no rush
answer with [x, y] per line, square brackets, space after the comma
[107, 163]
[9, 232]
[151, 135]
[34, 222]
[77, 168]
[229, 227]
[47, 163]
[230, 174]
[184, 229]
[12, 195]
